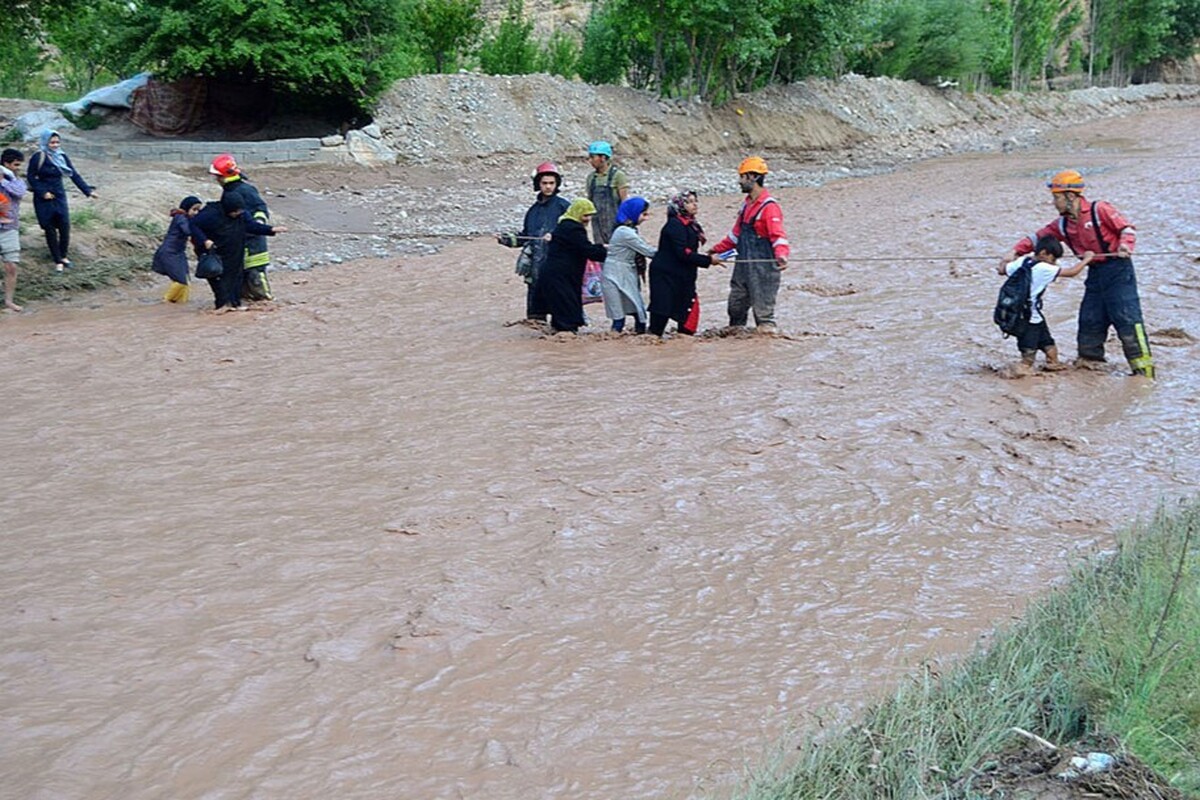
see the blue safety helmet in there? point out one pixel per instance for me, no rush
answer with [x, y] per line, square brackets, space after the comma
[600, 148]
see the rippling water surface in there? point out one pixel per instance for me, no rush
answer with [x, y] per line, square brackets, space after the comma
[374, 543]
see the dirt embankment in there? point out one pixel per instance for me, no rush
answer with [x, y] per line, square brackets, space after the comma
[465, 144]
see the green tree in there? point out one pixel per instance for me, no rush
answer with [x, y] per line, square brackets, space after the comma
[604, 55]
[559, 55]
[22, 60]
[511, 50]
[344, 53]
[85, 33]
[446, 31]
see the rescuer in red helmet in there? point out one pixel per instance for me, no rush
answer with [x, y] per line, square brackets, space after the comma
[255, 285]
[540, 219]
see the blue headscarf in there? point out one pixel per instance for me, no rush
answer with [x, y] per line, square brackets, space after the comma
[57, 157]
[631, 210]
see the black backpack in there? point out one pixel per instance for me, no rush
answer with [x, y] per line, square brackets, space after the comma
[1012, 306]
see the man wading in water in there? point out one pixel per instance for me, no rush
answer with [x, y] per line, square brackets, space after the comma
[1110, 294]
[762, 251]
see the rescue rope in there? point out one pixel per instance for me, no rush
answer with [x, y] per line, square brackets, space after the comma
[794, 258]
[791, 259]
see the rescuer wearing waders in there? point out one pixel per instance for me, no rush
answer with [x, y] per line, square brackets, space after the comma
[1110, 296]
[607, 188]
[762, 251]
[534, 236]
[255, 285]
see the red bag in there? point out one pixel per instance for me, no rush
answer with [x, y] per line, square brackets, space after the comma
[692, 323]
[590, 290]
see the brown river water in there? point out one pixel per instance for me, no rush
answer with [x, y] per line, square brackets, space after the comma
[374, 543]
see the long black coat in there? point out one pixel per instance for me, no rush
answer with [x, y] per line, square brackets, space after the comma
[673, 269]
[228, 235]
[560, 286]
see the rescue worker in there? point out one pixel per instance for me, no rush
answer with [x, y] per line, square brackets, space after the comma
[255, 284]
[534, 236]
[1110, 295]
[762, 250]
[607, 188]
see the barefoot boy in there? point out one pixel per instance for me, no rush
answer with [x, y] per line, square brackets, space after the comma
[1043, 272]
[12, 189]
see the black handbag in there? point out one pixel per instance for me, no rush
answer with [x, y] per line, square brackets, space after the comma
[209, 266]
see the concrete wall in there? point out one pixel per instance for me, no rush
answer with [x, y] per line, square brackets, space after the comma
[183, 152]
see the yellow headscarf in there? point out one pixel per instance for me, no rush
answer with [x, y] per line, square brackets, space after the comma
[579, 208]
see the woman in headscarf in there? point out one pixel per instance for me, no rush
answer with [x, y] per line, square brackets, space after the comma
[221, 227]
[560, 286]
[673, 270]
[620, 286]
[170, 259]
[45, 172]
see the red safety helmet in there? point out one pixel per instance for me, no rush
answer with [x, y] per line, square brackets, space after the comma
[546, 168]
[224, 166]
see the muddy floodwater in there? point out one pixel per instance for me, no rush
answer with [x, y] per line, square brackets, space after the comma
[376, 543]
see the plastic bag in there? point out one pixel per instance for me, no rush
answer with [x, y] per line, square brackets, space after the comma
[591, 292]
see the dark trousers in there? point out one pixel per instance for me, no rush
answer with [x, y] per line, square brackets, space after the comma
[227, 289]
[534, 307]
[1110, 299]
[58, 236]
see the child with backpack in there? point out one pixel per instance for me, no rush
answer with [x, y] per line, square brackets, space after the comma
[1019, 306]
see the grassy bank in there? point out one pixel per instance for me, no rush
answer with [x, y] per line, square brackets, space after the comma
[1114, 652]
[123, 250]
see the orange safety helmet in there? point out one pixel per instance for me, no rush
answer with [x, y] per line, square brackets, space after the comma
[546, 168]
[224, 166]
[1068, 180]
[753, 164]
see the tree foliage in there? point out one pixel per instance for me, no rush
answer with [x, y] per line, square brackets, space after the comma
[446, 31]
[511, 50]
[350, 50]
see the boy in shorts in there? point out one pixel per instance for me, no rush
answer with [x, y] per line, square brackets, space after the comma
[1044, 271]
[12, 189]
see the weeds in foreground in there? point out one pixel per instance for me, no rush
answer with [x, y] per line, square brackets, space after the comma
[38, 281]
[146, 227]
[1116, 649]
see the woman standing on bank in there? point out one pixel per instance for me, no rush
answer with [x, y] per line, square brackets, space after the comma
[47, 168]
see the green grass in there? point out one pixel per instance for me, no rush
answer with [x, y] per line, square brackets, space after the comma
[147, 227]
[127, 257]
[1115, 650]
[37, 281]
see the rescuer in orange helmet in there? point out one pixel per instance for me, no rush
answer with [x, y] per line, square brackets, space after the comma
[1110, 296]
[762, 250]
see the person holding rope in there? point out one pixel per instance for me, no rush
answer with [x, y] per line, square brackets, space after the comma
[534, 236]
[1110, 295]
[673, 268]
[762, 250]
[561, 280]
[45, 172]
